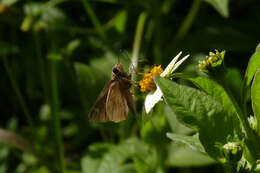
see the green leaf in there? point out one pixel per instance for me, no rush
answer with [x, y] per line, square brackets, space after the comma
[112, 161]
[255, 96]
[218, 93]
[33, 9]
[114, 158]
[55, 56]
[91, 162]
[127, 168]
[71, 47]
[153, 131]
[253, 65]
[199, 111]
[221, 6]
[29, 159]
[185, 157]
[8, 2]
[120, 21]
[43, 16]
[191, 141]
[257, 169]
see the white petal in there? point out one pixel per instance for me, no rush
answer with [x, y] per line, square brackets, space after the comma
[169, 68]
[151, 99]
[179, 63]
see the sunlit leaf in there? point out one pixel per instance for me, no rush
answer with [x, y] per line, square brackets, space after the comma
[199, 111]
[71, 47]
[255, 95]
[120, 21]
[185, 157]
[127, 168]
[253, 65]
[218, 92]
[112, 160]
[33, 9]
[221, 6]
[42, 16]
[91, 162]
[191, 141]
[8, 2]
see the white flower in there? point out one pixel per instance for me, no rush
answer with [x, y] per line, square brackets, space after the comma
[153, 98]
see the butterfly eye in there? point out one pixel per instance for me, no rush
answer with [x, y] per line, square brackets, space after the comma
[115, 71]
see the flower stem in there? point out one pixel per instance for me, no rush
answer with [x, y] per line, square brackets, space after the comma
[56, 116]
[41, 66]
[188, 20]
[94, 19]
[138, 38]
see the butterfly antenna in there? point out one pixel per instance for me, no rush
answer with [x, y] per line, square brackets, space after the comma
[118, 56]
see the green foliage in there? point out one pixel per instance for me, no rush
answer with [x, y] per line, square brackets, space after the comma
[102, 158]
[217, 113]
[218, 92]
[56, 56]
[191, 141]
[221, 6]
[253, 65]
[120, 21]
[153, 131]
[255, 94]
[199, 111]
[185, 157]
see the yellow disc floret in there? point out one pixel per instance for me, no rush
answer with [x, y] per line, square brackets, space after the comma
[147, 83]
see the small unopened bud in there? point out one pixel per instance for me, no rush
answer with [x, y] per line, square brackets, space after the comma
[212, 61]
[252, 123]
[27, 23]
[232, 151]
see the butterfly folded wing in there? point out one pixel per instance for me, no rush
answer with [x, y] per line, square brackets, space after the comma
[98, 111]
[116, 104]
[130, 101]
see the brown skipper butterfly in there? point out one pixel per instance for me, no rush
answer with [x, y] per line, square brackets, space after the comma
[115, 99]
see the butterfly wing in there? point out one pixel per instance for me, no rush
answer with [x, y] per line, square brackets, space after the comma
[116, 104]
[98, 111]
[130, 100]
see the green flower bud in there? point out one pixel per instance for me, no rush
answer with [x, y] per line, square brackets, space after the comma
[232, 151]
[27, 23]
[212, 61]
[252, 123]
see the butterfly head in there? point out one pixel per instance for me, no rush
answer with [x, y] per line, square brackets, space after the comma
[117, 69]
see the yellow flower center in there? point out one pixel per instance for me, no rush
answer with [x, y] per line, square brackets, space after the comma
[147, 83]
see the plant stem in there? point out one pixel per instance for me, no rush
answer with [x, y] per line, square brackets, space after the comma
[41, 66]
[18, 92]
[188, 20]
[138, 38]
[94, 19]
[56, 116]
